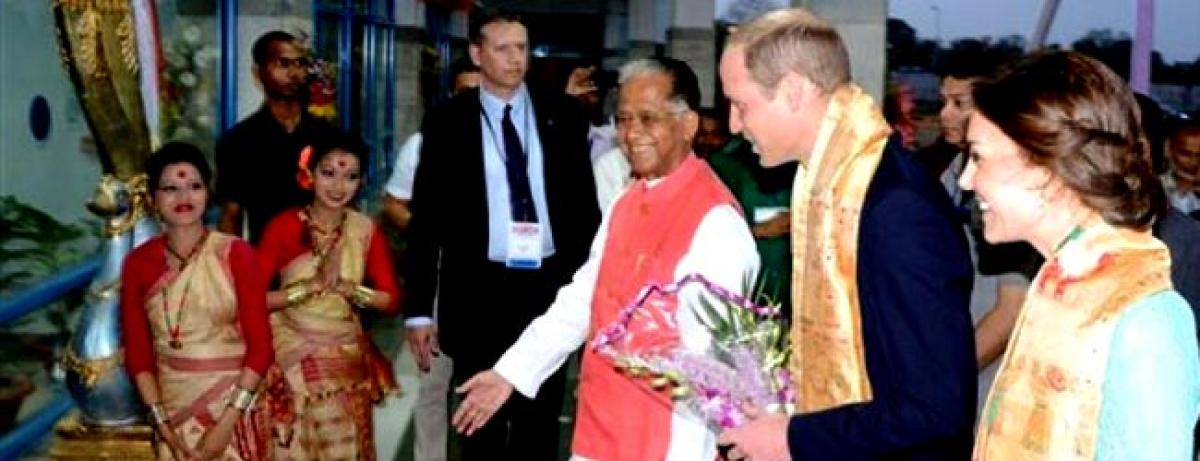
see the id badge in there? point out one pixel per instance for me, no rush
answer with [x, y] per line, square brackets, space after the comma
[524, 246]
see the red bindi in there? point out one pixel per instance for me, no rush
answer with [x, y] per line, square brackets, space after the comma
[180, 174]
[341, 163]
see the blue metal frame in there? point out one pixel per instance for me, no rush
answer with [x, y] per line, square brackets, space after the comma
[378, 24]
[345, 46]
[437, 25]
[389, 75]
[368, 73]
[33, 429]
[227, 23]
[48, 291]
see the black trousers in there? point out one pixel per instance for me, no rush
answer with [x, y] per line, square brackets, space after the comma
[522, 429]
[504, 302]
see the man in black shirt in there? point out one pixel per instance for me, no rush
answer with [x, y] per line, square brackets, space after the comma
[1009, 267]
[257, 159]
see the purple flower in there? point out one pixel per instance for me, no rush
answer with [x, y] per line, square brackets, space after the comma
[746, 364]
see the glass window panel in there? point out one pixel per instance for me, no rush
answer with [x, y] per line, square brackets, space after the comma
[190, 86]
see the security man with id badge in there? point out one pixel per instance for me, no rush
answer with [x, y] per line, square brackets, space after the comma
[526, 239]
[503, 214]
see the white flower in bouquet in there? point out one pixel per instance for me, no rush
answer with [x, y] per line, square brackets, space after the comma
[183, 132]
[745, 365]
[192, 35]
[176, 61]
[187, 79]
[204, 57]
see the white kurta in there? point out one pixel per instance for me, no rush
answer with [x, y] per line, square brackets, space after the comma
[722, 249]
[400, 183]
[611, 171]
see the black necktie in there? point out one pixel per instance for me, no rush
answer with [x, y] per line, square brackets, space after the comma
[519, 195]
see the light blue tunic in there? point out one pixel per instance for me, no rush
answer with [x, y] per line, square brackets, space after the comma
[1152, 384]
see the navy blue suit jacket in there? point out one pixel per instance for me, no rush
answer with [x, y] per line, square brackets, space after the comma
[914, 279]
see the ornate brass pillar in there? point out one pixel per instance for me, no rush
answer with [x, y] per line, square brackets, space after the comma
[99, 49]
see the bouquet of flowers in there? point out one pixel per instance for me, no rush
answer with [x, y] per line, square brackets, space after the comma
[322, 88]
[745, 366]
[188, 85]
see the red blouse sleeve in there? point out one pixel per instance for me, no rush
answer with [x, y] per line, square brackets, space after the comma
[251, 289]
[379, 270]
[279, 245]
[137, 274]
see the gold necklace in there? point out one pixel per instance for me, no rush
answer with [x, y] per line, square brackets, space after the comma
[174, 329]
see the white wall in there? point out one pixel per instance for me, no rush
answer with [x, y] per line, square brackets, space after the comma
[410, 13]
[54, 175]
[694, 13]
[862, 24]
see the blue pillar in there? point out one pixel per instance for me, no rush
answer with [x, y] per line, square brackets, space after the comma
[227, 22]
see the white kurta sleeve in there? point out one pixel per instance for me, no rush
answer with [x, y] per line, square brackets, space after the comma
[611, 172]
[400, 183]
[724, 252]
[549, 339]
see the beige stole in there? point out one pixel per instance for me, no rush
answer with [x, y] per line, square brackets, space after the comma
[828, 365]
[322, 353]
[1046, 401]
[202, 302]
[196, 380]
[327, 320]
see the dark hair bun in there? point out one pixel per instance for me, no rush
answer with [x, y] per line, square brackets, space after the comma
[1073, 116]
[172, 153]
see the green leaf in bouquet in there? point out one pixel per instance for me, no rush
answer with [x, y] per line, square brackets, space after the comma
[707, 315]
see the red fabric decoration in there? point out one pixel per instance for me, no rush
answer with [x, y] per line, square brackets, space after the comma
[452, 5]
[304, 176]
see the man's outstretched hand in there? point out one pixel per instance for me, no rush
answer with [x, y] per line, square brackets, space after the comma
[483, 395]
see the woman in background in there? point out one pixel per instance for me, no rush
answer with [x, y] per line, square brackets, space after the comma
[194, 320]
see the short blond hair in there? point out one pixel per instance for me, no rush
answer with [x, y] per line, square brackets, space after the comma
[792, 40]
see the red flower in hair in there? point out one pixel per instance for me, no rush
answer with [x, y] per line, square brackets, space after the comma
[304, 176]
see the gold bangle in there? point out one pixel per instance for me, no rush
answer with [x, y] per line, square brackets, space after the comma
[363, 295]
[242, 399]
[158, 414]
[296, 293]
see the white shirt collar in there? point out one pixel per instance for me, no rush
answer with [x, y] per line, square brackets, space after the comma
[494, 106]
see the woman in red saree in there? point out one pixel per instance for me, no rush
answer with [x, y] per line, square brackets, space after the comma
[194, 320]
[331, 261]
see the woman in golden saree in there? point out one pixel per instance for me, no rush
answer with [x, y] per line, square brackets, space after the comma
[330, 261]
[194, 320]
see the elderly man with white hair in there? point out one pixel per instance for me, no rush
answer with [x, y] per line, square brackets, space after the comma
[675, 220]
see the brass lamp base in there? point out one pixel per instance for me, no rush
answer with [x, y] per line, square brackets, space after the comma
[75, 440]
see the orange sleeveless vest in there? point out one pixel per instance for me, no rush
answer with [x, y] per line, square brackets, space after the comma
[650, 229]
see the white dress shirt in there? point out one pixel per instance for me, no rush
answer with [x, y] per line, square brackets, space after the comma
[499, 208]
[1186, 202]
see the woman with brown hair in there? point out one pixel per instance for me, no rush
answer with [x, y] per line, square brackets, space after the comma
[1103, 361]
[332, 262]
[193, 316]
